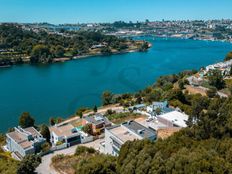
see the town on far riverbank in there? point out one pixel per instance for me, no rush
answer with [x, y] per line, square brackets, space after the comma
[47, 43]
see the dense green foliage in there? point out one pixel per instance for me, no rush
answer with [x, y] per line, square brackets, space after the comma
[43, 47]
[216, 79]
[44, 130]
[54, 121]
[107, 98]
[28, 164]
[87, 129]
[26, 120]
[7, 164]
[203, 147]
[95, 108]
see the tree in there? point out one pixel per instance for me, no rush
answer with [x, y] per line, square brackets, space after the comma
[228, 56]
[216, 79]
[176, 94]
[106, 51]
[158, 111]
[144, 46]
[29, 164]
[95, 109]
[107, 97]
[26, 120]
[44, 130]
[45, 147]
[87, 129]
[52, 121]
[40, 53]
[139, 100]
[80, 111]
[230, 73]
[110, 112]
[211, 92]
[181, 84]
[198, 104]
[59, 51]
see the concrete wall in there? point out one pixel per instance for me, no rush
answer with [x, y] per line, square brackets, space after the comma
[55, 138]
[85, 139]
[109, 143]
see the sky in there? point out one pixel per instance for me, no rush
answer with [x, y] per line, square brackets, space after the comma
[85, 11]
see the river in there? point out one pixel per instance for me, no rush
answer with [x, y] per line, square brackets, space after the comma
[59, 89]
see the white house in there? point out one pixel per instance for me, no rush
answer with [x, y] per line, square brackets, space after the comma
[25, 141]
[174, 119]
[68, 135]
[65, 133]
[116, 136]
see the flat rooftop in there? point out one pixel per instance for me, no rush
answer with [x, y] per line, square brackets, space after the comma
[63, 130]
[17, 137]
[97, 119]
[123, 134]
[139, 129]
[20, 136]
[177, 118]
[154, 124]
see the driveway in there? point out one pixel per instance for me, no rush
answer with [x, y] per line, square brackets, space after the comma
[45, 168]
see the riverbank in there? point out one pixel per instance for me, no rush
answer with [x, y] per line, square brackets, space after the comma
[64, 59]
[92, 55]
[180, 37]
[135, 46]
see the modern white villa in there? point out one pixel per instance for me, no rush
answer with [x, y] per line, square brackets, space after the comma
[22, 142]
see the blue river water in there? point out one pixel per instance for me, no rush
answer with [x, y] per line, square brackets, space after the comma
[59, 89]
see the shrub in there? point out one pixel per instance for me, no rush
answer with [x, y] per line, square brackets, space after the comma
[59, 143]
[82, 149]
[45, 147]
[58, 158]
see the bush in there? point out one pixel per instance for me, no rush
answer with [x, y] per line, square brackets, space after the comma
[87, 129]
[45, 147]
[102, 164]
[211, 92]
[58, 158]
[228, 56]
[82, 149]
[28, 164]
[59, 143]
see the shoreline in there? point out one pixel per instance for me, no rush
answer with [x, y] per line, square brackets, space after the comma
[65, 59]
[172, 37]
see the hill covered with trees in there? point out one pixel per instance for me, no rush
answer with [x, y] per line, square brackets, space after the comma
[203, 147]
[19, 45]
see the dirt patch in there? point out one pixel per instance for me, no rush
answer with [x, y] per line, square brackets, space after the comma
[120, 120]
[196, 90]
[167, 132]
[67, 163]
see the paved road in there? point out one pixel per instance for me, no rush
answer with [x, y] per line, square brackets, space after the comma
[45, 168]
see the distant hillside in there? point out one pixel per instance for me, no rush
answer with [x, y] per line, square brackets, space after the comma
[19, 44]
